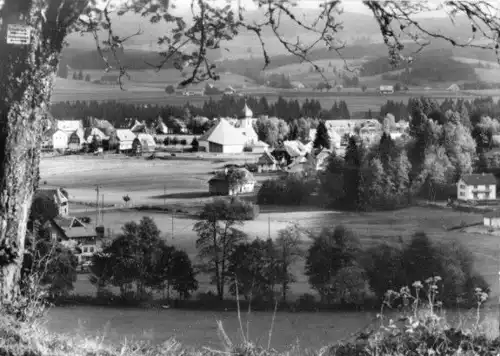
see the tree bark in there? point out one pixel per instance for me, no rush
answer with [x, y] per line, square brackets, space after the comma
[26, 78]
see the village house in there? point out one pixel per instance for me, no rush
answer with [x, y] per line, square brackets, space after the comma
[232, 182]
[90, 132]
[125, 139]
[161, 128]
[76, 140]
[139, 127]
[343, 127]
[386, 89]
[109, 80]
[147, 141]
[69, 126]
[266, 163]
[73, 232]
[288, 152]
[59, 140]
[222, 138]
[473, 187]
[59, 197]
[258, 147]
[492, 219]
[317, 160]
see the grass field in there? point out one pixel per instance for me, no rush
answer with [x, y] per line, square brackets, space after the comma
[186, 185]
[186, 182]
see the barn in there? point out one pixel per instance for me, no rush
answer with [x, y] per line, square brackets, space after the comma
[232, 182]
[222, 138]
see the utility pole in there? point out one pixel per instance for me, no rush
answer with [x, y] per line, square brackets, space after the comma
[173, 224]
[102, 209]
[164, 196]
[97, 206]
[269, 226]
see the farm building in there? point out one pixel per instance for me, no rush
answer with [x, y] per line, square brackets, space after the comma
[267, 163]
[103, 125]
[473, 187]
[86, 238]
[161, 128]
[59, 140]
[90, 132]
[232, 182]
[492, 219]
[454, 88]
[386, 89]
[125, 139]
[76, 140]
[222, 138]
[259, 147]
[69, 126]
[59, 197]
[147, 141]
[343, 127]
[139, 127]
[317, 160]
[289, 151]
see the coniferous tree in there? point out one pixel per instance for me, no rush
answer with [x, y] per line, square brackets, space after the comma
[352, 174]
[322, 139]
[62, 71]
[75, 76]
[80, 75]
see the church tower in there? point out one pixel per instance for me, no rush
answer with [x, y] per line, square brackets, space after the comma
[246, 120]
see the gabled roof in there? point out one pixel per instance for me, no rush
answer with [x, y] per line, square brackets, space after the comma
[160, 126]
[147, 139]
[479, 179]
[125, 135]
[91, 131]
[73, 228]
[294, 148]
[266, 158]
[69, 125]
[223, 133]
[138, 127]
[223, 175]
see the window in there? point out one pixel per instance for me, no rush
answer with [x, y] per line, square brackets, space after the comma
[85, 249]
[91, 249]
[462, 194]
[475, 195]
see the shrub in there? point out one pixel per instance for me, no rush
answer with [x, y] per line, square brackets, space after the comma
[195, 144]
[183, 142]
[252, 167]
[293, 189]
[247, 149]
[175, 140]
[248, 210]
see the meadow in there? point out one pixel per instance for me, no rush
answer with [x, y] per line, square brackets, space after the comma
[186, 184]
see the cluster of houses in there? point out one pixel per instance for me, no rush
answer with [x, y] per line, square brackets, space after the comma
[84, 239]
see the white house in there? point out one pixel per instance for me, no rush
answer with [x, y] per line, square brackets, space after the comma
[386, 89]
[69, 126]
[492, 219]
[90, 132]
[59, 140]
[125, 138]
[148, 143]
[343, 127]
[223, 138]
[472, 187]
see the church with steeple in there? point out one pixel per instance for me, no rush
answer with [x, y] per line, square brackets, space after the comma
[245, 125]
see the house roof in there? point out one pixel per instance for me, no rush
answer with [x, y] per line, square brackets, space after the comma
[147, 139]
[73, 228]
[91, 131]
[161, 126]
[69, 125]
[125, 135]
[294, 148]
[266, 158]
[223, 175]
[138, 127]
[223, 133]
[492, 214]
[479, 179]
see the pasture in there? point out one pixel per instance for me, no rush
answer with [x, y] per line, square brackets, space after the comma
[183, 183]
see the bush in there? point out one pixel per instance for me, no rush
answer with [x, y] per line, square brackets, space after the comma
[246, 209]
[247, 149]
[293, 189]
[252, 167]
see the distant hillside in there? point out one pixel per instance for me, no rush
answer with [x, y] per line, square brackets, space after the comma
[428, 66]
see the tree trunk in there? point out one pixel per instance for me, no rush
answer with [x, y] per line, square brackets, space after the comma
[26, 78]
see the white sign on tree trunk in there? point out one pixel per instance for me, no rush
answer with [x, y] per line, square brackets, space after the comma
[18, 34]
